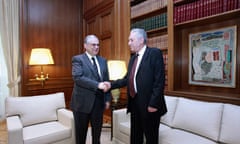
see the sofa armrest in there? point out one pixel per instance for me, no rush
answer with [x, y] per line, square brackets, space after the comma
[15, 130]
[119, 116]
[65, 117]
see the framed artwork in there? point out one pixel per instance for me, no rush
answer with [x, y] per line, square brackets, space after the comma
[212, 56]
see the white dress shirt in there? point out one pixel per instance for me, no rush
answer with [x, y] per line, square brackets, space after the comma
[140, 55]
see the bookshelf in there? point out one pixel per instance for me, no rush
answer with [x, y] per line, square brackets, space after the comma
[184, 17]
[194, 17]
[151, 15]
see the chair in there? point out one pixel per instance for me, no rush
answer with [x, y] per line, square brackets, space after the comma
[41, 119]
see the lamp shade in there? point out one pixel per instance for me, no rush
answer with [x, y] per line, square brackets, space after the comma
[117, 69]
[41, 56]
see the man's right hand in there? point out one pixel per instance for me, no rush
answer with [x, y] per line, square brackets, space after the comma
[105, 86]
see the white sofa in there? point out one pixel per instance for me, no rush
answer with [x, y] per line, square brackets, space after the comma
[39, 120]
[188, 122]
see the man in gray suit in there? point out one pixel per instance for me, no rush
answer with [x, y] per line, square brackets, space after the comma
[90, 96]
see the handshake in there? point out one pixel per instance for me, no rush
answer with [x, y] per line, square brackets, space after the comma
[105, 86]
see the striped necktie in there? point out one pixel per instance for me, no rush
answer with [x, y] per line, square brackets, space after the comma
[131, 78]
[96, 69]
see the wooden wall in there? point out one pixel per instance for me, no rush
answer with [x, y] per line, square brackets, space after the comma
[109, 20]
[98, 20]
[61, 25]
[53, 24]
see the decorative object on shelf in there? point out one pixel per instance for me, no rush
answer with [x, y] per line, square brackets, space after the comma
[117, 70]
[41, 56]
[213, 57]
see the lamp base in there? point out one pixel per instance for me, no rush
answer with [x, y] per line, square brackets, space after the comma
[115, 94]
[42, 77]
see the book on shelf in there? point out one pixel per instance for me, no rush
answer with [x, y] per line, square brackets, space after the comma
[151, 23]
[165, 58]
[160, 42]
[147, 7]
[202, 8]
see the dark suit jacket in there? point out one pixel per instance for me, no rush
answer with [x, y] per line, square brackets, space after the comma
[85, 88]
[150, 81]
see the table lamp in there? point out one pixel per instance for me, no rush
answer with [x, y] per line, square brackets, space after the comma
[41, 56]
[117, 70]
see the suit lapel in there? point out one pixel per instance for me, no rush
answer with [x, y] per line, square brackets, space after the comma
[89, 64]
[144, 57]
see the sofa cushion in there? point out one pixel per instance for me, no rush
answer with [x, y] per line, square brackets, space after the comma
[45, 133]
[171, 103]
[35, 109]
[163, 128]
[203, 118]
[175, 136]
[230, 124]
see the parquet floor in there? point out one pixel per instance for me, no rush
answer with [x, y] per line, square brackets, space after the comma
[3, 132]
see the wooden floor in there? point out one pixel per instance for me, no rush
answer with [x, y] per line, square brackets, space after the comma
[3, 132]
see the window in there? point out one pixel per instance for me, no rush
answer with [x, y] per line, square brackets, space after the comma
[4, 91]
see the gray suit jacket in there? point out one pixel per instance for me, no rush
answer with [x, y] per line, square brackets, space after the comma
[85, 88]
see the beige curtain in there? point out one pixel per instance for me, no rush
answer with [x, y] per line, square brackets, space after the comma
[9, 30]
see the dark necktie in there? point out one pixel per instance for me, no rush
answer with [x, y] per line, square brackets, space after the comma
[96, 69]
[131, 78]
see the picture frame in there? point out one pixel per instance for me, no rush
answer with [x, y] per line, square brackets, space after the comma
[212, 57]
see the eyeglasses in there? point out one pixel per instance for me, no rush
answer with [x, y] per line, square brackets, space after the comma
[94, 44]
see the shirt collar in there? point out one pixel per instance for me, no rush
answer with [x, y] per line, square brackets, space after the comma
[90, 57]
[141, 52]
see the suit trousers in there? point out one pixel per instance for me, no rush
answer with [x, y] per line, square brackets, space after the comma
[143, 124]
[95, 118]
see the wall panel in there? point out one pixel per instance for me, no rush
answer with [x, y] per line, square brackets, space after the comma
[106, 48]
[57, 25]
[109, 20]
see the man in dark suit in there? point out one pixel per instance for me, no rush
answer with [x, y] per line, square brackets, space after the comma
[89, 96]
[146, 101]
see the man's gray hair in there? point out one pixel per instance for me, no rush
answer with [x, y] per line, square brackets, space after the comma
[88, 37]
[140, 33]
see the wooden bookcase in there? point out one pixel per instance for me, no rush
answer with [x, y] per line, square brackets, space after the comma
[177, 52]
[151, 15]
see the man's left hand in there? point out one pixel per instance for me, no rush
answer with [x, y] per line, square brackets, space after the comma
[152, 109]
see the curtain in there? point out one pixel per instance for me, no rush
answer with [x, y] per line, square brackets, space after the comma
[9, 31]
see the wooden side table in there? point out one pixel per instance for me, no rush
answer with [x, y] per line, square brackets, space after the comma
[122, 103]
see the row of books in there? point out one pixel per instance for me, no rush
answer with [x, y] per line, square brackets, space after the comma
[203, 8]
[165, 59]
[160, 42]
[152, 22]
[146, 7]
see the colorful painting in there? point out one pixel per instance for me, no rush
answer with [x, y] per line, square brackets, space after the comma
[213, 57]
